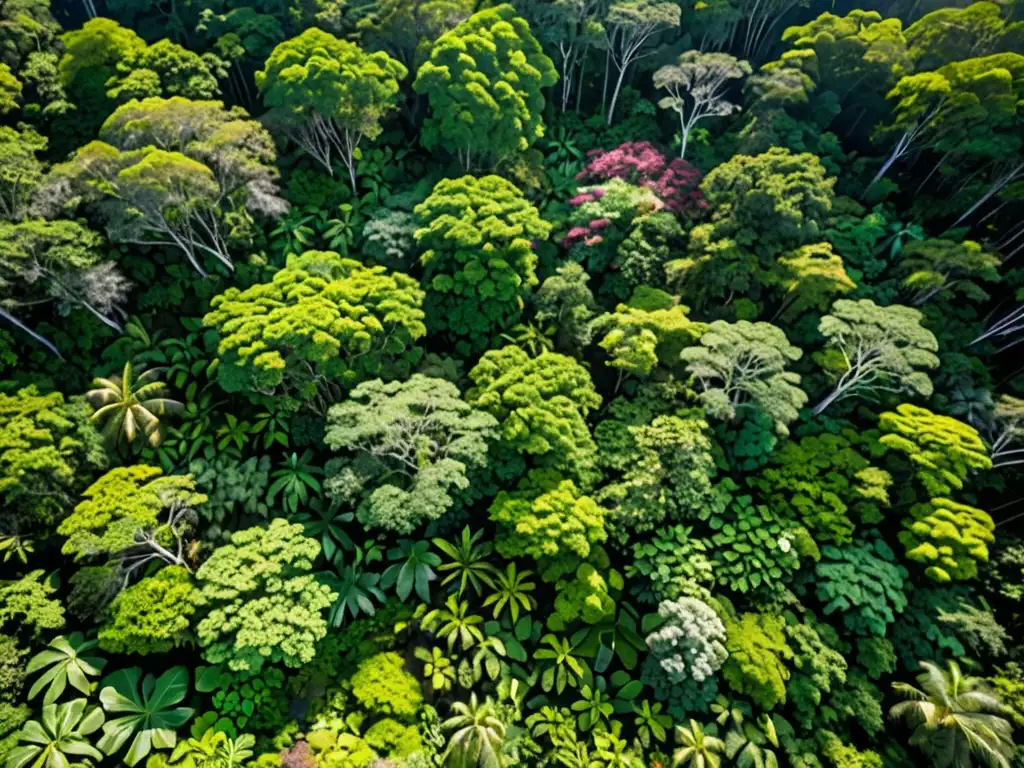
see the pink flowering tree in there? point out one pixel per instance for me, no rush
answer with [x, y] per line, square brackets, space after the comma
[676, 183]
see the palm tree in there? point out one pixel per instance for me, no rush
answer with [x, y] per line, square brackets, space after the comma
[954, 718]
[129, 405]
[478, 738]
[697, 748]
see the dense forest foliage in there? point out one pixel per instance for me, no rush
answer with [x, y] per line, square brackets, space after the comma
[569, 383]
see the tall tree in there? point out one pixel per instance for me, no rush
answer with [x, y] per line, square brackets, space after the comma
[630, 28]
[484, 80]
[328, 94]
[875, 350]
[189, 175]
[700, 81]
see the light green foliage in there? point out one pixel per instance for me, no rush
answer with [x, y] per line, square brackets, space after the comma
[392, 738]
[163, 69]
[478, 733]
[21, 171]
[565, 300]
[810, 278]
[743, 365]
[124, 504]
[942, 451]
[479, 266]
[151, 616]
[761, 207]
[259, 602]
[758, 653]
[585, 593]
[191, 175]
[47, 448]
[60, 261]
[826, 483]
[327, 94]
[667, 467]
[753, 549]
[818, 667]
[343, 750]
[65, 660]
[945, 269]
[954, 34]
[863, 581]
[540, 404]
[484, 81]
[323, 324]
[873, 350]
[675, 562]
[13, 672]
[948, 537]
[689, 643]
[414, 443]
[651, 330]
[549, 519]
[382, 685]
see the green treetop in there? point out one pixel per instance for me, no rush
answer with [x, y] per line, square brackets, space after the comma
[956, 34]
[761, 207]
[189, 175]
[323, 324]
[151, 616]
[758, 653]
[48, 447]
[742, 365]
[477, 237]
[484, 80]
[119, 518]
[258, 600]
[328, 94]
[942, 451]
[942, 269]
[874, 350]
[949, 538]
[410, 448]
[651, 330]
[541, 405]
[549, 519]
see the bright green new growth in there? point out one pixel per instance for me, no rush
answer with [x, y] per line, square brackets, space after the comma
[27, 604]
[649, 331]
[477, 239]
[259, 601]
[540, 404]
[322, 325]
[484, 80]
[46, 445]
[945, 269]
[743, 365]
[121, 513]
[327, 94]
[414, 443]
[550, 520]
[875, 350]
[863, 581]
[949, 538]
[382, 685]
[151, 616]
[942, 451]
[758, 653]
[689, 644]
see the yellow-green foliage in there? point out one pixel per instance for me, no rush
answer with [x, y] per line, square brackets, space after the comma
[949, 538]
[392, 738]
[260, 602]
[550, 520]
[123, 502]
[942, 450]
[322, 317]
[758, 653]
[151, 616]
[383, 685]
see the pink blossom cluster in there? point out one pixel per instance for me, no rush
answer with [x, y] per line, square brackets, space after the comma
[587, 234]
[676, 183]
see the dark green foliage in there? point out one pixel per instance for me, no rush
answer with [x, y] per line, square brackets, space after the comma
[862, 581]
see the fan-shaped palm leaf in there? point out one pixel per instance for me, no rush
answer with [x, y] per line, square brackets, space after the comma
[957, 719]
[478, 738]
[128, 406]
